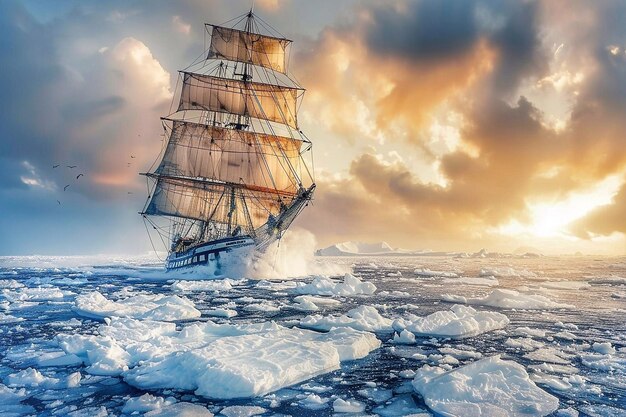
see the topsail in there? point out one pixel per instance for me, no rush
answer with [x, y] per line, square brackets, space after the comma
[253, 48]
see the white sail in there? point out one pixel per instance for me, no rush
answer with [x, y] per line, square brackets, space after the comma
[252, 48]
[212, 202]
[259, 100]
[233, 156]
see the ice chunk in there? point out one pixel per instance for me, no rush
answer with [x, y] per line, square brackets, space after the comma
[8, 319]
[509, 299]
[146, 402]
[482, 281]
[488, 387]
[605, 348]
[58, 359]
[180, 410]
[361, 318]
[404, 338]
[221, 312]
[506, 272]
[401, 406]
[144, 306]
[548, 354]
[311, 303]
[215, 360]
[32, 378]
[351, 285]
[458, 322]
[205, 285]
[43, 293]
[242, 411]
[314, 402]
[425, 272]
[348, 406]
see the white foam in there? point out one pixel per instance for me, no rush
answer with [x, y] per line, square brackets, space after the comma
[488, 387]
[144, 306]
[504, 298]
[458, 322]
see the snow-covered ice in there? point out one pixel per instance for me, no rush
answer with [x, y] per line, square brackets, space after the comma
[350, 285]
[365, 318]
[488, 387]
[153, 307]
[215, 360]
[504, 298]
[311, 342]
[458, 322]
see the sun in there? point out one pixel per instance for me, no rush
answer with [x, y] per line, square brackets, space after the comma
[550, 219]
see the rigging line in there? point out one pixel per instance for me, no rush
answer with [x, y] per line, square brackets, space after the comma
[151, 243]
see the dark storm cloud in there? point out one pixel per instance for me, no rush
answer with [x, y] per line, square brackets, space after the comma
[431, 30]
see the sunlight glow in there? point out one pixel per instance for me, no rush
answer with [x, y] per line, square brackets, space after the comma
[552, 218]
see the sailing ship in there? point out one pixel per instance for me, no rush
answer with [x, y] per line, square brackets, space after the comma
[233, 174]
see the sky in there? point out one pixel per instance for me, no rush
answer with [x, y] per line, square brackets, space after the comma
[446, 125]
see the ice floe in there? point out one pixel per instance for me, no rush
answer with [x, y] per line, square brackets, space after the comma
[361, 318]
[144, 306]
[312, 303]
[506, 272]
[350, 285]
[215, 360]
[488, 387]
[504, 298]
[206, 285]
[425, 272]
[458, 322]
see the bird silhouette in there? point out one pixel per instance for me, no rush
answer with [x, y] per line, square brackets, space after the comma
[65, 188]
[79, 175]
[71, 166]
[129, 192]
[59, 202]
[55, 166]
[132, 156]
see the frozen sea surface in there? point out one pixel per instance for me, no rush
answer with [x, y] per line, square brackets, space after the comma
[101, 337]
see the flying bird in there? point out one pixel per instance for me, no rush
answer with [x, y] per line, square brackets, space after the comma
[55, 166]
[129, 192]
[65, 188]
[71, 166]
[59, 202]
[79, 175]
[132, 156]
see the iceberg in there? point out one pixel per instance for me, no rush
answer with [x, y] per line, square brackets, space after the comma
[488, 387]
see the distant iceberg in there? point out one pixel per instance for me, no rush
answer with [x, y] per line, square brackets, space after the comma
[363, 248]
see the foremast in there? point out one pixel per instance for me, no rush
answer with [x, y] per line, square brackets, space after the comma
[234, 160]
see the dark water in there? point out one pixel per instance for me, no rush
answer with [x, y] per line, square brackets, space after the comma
[599, 316]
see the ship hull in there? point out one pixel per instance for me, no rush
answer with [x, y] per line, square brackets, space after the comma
[207, 252]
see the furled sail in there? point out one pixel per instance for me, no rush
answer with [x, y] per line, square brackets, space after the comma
[234, 156]
[262, 101]
[252, 48]
[208, 201]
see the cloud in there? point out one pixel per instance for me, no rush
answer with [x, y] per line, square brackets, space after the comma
[478, 59]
